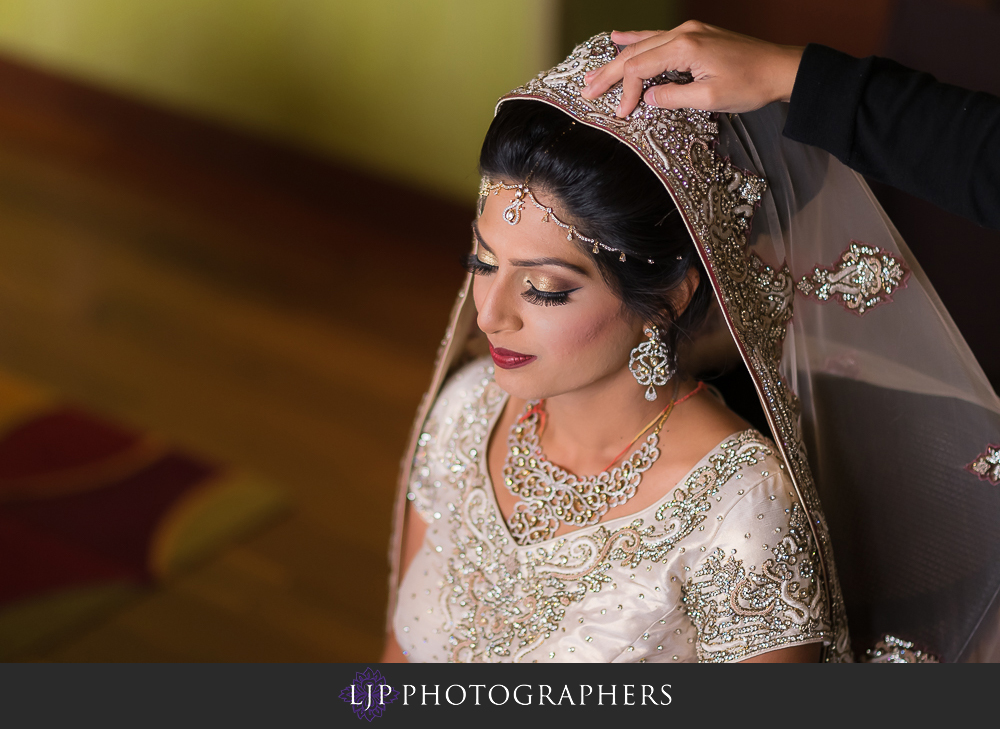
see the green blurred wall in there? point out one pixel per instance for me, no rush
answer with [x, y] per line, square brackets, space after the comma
[404, 87]
[580, 19]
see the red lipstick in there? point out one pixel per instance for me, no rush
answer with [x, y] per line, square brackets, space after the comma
[507, 360]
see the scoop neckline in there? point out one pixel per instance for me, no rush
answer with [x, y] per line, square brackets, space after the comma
[484, 468]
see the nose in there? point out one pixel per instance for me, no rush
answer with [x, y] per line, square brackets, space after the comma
[496, 303]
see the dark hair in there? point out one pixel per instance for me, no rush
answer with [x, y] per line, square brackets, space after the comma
[605, 190]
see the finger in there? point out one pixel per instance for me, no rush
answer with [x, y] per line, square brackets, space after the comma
[646, 65]
[628, 37]
[601, 79]
[631, 93]
[622, 37]
[611, 73]
[697, 95]
[665, 57]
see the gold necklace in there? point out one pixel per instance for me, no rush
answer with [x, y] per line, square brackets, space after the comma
[549, 495]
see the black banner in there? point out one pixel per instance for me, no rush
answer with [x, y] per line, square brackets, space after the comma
[342, 695]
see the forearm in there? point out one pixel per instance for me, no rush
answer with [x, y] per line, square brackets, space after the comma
[902, 127]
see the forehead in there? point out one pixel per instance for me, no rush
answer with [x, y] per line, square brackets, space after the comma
[530, 237]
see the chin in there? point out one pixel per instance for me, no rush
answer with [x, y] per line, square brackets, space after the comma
[520, 383]
[514, 385]
[524, 384]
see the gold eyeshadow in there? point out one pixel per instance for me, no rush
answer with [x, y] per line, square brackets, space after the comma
[486, 257]
[543, 283]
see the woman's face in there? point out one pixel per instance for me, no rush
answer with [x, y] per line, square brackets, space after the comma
[553, 324]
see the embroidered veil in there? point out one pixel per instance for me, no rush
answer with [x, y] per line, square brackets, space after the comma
[876, 403]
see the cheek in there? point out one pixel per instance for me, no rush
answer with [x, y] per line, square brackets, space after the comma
[599, 338]
[480, 290]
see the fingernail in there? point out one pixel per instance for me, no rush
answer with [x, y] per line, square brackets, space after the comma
[649, 98]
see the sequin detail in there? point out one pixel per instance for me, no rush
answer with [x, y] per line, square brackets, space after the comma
[497, 601]
[896, 650]
[863, 278]
[987, 465]
[742, 611]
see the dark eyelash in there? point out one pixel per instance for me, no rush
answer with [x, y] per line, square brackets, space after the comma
[473, 265]
[546, 298]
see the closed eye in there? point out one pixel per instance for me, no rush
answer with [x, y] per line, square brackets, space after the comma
[547, 298]
[473, 265]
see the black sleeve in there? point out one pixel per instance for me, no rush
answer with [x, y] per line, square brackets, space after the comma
[902, 127]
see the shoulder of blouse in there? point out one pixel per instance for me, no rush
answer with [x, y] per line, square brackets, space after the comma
[430, 472]
[464, 386]
[753, 588]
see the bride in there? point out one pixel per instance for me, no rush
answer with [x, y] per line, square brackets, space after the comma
[577, 495]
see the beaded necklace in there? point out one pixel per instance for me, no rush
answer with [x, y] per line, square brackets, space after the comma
[549, 495]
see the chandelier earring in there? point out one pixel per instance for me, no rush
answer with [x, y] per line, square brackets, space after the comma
[649, 363]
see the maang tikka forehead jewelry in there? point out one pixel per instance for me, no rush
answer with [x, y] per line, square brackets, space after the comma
[523, 194]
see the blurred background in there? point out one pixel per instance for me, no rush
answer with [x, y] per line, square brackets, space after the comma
[229, 241]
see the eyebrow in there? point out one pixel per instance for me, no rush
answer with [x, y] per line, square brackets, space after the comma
[533, 262]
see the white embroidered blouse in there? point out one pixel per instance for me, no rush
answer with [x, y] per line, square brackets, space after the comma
[723, 569]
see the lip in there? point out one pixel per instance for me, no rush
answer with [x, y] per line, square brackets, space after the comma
[508, 360]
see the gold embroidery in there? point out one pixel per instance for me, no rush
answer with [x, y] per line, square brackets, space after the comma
[502, 603]
[498, 606]
[864, 278]
[680, 516]
[740, 611]
[987, 465]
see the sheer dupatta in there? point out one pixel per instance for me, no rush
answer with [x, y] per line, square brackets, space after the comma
[878, 407]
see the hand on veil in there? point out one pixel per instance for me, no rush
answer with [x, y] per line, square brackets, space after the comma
[731, 72]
